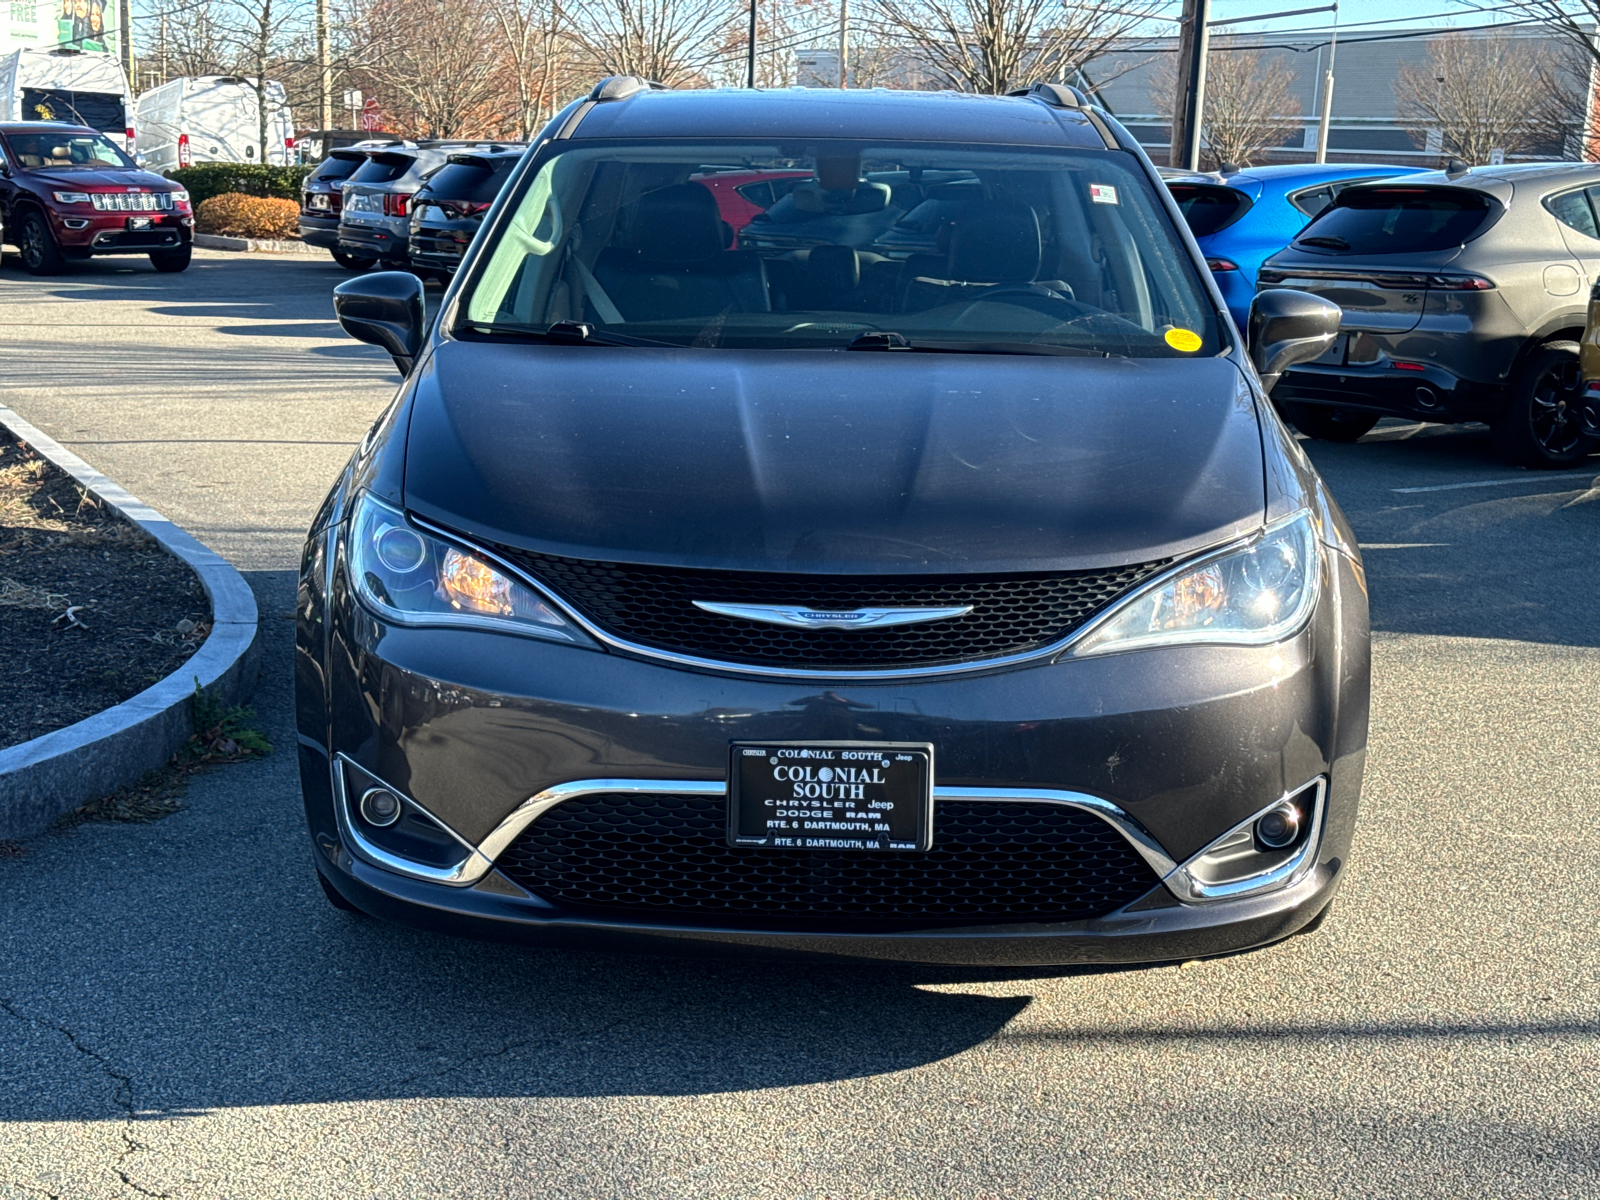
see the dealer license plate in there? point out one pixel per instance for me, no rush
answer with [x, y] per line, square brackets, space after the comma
[140, 222]
[831, 795]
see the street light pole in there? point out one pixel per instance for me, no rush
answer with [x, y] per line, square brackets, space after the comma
[125, 37]
[324, 71]
[844, 43]
[751, 82]
[1193, 43]
[1327, 92]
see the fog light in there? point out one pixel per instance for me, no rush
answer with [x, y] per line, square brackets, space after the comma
[380, 806]
[1278, 827]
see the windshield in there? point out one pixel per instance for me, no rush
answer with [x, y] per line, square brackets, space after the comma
[66, 151]
[1009, 249]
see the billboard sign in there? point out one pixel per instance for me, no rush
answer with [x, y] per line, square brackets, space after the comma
[58, 25]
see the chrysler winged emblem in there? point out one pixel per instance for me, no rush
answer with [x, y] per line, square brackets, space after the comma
[799, 617]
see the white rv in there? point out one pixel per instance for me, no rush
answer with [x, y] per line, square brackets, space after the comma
[212, 118]
[84, 87]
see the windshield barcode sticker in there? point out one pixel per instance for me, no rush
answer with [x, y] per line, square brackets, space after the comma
[1102, 193]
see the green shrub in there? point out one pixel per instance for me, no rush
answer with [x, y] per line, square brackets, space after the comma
[250, 179]
[248, 216]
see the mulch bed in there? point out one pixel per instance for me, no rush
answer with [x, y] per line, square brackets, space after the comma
[92, 611]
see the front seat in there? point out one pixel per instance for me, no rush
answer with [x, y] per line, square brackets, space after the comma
[674, 262]
[987, 247]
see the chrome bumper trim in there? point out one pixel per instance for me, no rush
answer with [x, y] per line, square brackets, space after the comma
[1192, 890]
[467, 872]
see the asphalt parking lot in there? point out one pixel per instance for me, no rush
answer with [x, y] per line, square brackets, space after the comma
[183, 1015]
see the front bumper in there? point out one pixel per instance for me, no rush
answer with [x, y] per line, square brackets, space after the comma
[88, 232]
[1184, 743]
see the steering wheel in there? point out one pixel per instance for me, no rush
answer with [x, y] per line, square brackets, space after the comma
[1036, 291]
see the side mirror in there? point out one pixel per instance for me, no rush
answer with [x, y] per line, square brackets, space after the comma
[385, 309]
[139, 160]
[1289, 327]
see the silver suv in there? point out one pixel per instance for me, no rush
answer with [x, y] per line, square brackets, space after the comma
[1464, 300]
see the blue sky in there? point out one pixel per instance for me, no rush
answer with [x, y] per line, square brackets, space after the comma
[1395, 14]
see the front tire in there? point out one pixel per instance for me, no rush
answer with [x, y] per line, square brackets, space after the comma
[40, 254]
[352, 262]
[1547, 426]
[1331, 424]
[172, 261]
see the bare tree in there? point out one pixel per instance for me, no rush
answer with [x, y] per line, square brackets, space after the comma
[534, 41]
[675, 42]
[996, 46]
[1250, 104]
[1478, 94]
[438, 64]
[253, 32]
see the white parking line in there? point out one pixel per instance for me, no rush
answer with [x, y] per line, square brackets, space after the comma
[1450, 487]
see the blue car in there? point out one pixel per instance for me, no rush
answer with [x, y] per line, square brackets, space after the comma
[1242, 219]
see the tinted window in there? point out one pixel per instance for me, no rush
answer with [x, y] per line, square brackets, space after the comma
[337, 168]
[382, 170]
[1313, 200]
[1396, 221]
[97, 110]
[1572, 210]
[1063, 250]
[467, 181]
[768, 192]
[1209, 207]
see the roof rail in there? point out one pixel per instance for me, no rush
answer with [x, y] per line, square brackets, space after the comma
[1057, 95]
[620, 87]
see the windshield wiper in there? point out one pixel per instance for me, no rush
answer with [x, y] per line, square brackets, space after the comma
[567, 333]
[889, 341]
[1331, 242]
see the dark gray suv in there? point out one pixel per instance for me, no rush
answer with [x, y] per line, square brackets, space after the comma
[1463, 297]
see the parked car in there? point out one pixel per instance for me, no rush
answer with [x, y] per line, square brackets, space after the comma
[69, 192]
[1463, 297]
[996, 618]
[322, 196]
[1241, 219]
[375, 215]
[447, 210]
[76, 87]
[213, 118]
[742, 196]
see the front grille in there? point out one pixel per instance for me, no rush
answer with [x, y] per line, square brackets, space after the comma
[665, 857]
[131, 202]
[653, 606]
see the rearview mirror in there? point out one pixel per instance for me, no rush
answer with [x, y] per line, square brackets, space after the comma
[384, 309]
[1287, 328]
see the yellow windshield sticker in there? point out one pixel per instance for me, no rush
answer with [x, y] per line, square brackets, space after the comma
[1183, 339]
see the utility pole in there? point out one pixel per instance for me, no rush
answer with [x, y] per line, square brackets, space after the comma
[324, 71]
[1189, 103]
[844, 43]
[751, 82]
[125, 40]
[1327, 92]
[162, 53]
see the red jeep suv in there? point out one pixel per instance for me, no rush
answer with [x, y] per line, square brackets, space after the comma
[67, 192]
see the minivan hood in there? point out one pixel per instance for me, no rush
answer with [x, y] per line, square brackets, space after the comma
[833, 462]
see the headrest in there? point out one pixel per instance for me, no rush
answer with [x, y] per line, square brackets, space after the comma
[995, 244]
[60, 152]
[678, 224]
[833, 268]
[812, 197]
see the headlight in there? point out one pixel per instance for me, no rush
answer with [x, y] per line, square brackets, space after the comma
[71, 197]
[1250, 596]
[413, 578]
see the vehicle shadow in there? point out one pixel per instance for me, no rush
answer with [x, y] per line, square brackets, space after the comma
[1457, 542]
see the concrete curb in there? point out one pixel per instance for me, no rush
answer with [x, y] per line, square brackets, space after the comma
[215, 241]
[53, 774]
